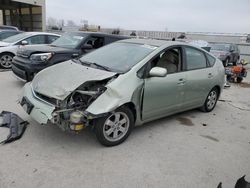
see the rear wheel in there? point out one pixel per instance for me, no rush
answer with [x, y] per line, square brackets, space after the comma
[211, 100]
[239, 79]
[114, 128]
[6, 60]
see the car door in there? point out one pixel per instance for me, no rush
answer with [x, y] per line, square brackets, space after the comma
[231, 50]
[164, 95]
[37, 39]
[199, 77]
[235, 53]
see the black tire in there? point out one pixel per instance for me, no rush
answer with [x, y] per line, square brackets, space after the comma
[111, 125]
[226, 62]
[6, 60]
[239, 79]
[208, 107]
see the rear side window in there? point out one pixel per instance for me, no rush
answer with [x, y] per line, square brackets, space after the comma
[236, 48]
[195, 59]
[38, 39]
[211, 60]
[52, 38]
[6, 35]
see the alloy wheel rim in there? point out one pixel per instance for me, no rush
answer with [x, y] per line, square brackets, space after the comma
[116, 126]
[212, 98]
[6, 61]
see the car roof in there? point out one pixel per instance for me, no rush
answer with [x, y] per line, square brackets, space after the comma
[8, 27]
[99, 34]
[10, 31]
[153, 42]
[40, 33]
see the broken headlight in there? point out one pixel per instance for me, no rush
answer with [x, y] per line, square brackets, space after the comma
[40, 57]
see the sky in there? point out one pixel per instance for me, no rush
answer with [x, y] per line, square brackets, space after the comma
[225, 16]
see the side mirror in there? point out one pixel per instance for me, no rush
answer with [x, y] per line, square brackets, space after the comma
[87, 47]
[158, 72]
[24, 42]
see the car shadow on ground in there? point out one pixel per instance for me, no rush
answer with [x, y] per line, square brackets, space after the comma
[183, 118]
[5, 70]
[52, 135]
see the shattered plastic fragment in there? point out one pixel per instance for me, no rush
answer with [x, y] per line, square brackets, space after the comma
[241, 183]
[15, 124]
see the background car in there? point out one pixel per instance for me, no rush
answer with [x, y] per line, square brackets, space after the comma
[8, 33]
[29, 60]
[10, 45]
[7, 27]
[227, 53]
[126, 83]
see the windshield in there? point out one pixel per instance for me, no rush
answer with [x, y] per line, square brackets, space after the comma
[220, 47]
[68, 40]
[16, 38]
[119, 57]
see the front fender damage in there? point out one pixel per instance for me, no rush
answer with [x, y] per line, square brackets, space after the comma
[112, 99]
[91, 100]
[107, 102]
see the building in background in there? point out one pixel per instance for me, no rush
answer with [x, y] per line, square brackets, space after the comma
[27, 15]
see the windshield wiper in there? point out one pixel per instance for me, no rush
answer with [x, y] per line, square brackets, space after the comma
[52, 45]
[95, 64]
[101, 66]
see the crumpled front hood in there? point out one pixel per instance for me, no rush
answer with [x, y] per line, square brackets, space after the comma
[3, 44]
[62, 79]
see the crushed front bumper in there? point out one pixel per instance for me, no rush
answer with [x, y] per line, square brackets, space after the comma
[38, 109]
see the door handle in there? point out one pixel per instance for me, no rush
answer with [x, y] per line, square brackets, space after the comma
[75, 55]
[210, 75]
[181, 81]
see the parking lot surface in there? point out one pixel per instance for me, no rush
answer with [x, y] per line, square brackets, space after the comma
[190, 149]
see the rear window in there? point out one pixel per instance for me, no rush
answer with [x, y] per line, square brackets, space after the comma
[220, 47]
[211, 60]
[195, 59]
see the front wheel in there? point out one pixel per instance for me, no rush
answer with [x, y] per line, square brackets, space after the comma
[6, 60]
[115, 127]
[211, 100]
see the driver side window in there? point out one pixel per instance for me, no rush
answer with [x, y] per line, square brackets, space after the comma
[169, 59]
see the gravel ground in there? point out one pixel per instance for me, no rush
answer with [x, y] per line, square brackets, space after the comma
[191, 149]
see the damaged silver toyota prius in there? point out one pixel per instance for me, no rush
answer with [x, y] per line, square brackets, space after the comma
[124, 84]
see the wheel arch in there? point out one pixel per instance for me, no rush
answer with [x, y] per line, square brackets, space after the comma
[132, 107]
[7, 52]
[218, 88]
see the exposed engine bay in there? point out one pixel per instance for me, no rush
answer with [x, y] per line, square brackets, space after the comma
[69, 114]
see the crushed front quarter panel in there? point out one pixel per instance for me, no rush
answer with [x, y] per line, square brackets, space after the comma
[119, 92]
[62, 79]
[42, 112]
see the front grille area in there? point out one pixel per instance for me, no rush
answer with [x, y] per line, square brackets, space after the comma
[45, 98]
[18, 72]
[22, 54]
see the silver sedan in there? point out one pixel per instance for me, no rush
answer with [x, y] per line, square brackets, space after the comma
[124, 84]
